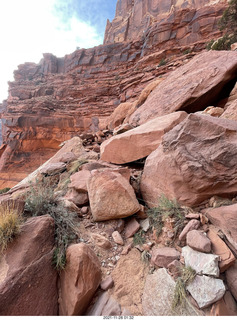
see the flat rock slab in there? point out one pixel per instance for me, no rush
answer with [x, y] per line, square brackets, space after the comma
[131, 228]
[53, 168]
[191, 225]
[79, 281]
[111, 196]
[192, 157]
[206, 290]
[198, 241]
[105, 305]
[202, 263]
[162, 257]
[231, 277]
[190, 86]
[219, 248]
[225, 218]
[158, 296]
[139, 142]
[79, 180]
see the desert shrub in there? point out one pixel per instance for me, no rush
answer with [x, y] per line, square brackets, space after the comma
[163, 62]
[139, 238]
[228, 24]
[40, 200]
[180, 296]
[10, 221]
[75, 165]
[166, 209]
[4, 190]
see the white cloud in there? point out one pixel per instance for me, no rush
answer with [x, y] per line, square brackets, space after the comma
[29, 28]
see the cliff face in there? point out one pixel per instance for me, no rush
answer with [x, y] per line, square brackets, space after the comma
[59, 98]
[183, 21]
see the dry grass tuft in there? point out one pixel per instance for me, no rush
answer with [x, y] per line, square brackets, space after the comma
[10, 221]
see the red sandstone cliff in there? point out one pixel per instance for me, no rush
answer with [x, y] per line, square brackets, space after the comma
[59, 98]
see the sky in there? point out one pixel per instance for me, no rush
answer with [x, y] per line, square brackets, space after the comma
[29, 28]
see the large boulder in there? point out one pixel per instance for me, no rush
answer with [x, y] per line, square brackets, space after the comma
[139, 142]
[28, 281]
[79, 280]
[191, 87]
[158, 297]
[225, 218]
[111, 196]
[196, 160]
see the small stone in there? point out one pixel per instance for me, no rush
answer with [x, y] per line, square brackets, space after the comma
[141, 214]
[198, 241]
[126, 249]
[84, 210]
[202, 263]
[107, 283]
[101, 241]
[162, 257]
[175, 268]
[145, 224]
[117, 238]
[203, 219]
[131, 228]
[192, 216]
[120, 225]
[206, 290]
[192, 225]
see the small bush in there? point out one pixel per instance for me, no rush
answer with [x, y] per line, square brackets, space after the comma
[75, 165]
[166, 208]
[10, 222]
[180, 296]
[4, 190]
[163, 62]
[139, 238]
[40, 201]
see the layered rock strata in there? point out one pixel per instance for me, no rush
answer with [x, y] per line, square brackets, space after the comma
[59, 98]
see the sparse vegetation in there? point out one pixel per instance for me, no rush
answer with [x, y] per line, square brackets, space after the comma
[10, 221]
[163, 62]
[180, 296]
[227, 23]
[40, 201]
[139, 238]
[4, 190]
[75, 165]
[166, 209]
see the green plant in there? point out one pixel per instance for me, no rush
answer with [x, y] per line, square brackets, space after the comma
[139, 238]
[4, 190]
[10, 221]
[227, 23]
[180, 295]
[163, 62]
[187, 51]
[75, 165]
[166, 208]
[40, 200]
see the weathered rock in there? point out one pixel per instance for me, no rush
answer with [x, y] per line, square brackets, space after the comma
[28, 281]
[231, 277]
[120, 225]
[78, 198]
[53, 168]
[84, 210]
[197, 240]
[101, 241]
[225, 218]
[105, 305]
[192, 225]
[175, 268]
[225, 307]
[139, 142]
[118, 115]
[111, 196]
[107, 283]
[162, 257]
[79, 180]
[189, 94]
[219, 248]
[117, 238]
[206, 290]
[145, 225]
[67, 157]
[79, 280]
[202, 263]
[192, 216]
[194, 155]
[131, 228]
[158, 296]
[214, 112]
